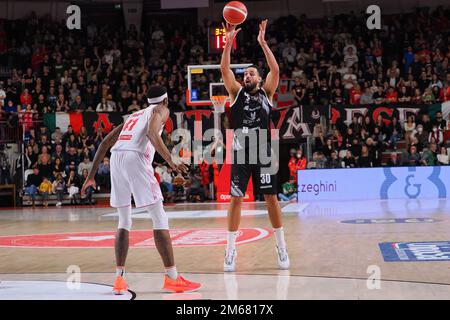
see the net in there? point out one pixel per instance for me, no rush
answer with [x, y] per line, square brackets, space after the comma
[219, 103]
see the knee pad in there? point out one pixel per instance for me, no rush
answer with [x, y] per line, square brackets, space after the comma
[125, 221]
[159, 216]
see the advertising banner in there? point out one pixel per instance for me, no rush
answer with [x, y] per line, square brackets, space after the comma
[374, 183]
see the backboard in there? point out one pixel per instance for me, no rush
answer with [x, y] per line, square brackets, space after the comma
[205, 81]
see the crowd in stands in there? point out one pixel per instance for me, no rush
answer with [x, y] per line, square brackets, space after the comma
[56, 163]
[363, 142]
[194, 186]
[332, 61]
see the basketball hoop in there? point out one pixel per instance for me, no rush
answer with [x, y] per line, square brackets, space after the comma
[219, 103]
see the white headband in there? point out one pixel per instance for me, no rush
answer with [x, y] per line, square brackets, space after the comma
[157, 99]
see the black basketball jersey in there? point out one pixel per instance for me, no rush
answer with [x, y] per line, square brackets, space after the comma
[251, 111]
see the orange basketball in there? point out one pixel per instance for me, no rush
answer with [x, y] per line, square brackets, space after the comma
[235, 12]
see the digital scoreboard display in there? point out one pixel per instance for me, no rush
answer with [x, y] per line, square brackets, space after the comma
[217, 40]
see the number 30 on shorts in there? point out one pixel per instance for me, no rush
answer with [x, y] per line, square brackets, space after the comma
[265, 178]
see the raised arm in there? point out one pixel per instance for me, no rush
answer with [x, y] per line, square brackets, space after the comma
[85, 65]
[273, 78]
[229, 80]
[99, 60]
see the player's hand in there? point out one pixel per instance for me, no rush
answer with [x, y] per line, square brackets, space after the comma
[182, 168]
[90, 182]
[262, 32]
[230, 32]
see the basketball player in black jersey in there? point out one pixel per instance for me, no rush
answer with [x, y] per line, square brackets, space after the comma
[251, 105]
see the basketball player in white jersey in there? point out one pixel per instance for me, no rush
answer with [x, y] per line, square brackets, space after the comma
[251, 105]
[133, 146]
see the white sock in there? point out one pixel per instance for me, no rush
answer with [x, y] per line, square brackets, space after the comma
[120, 272]
[231, 240]
[172, 273]
[279, 236]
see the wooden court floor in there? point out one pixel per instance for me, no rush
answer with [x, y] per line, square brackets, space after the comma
[334, 249]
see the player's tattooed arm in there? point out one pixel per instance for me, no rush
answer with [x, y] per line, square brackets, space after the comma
[159, 117]
[273, 77]
[229, 80]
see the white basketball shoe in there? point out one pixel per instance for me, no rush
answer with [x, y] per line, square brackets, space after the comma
[283, 258]
[229, 263]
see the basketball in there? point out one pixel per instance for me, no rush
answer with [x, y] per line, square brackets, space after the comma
[235, 12]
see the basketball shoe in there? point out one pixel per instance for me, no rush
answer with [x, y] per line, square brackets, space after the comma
[180, 284]
[229, 264]
[283, 258]
[120, 286]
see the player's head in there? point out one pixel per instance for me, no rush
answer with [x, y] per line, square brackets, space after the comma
[252, 77]
[157, 95]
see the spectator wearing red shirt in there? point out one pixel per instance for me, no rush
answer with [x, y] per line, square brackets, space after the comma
[292, 164]
[297, 162]
[204, 171]
[36, 59]
[337, 139]
[26, 117]
[423, 53]
[26, 98]
[377, 51]
[391, 95]
[355, 94]
[447, 130]
[445, 93]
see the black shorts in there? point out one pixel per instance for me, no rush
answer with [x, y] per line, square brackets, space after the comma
[263, 182]
[248, 163]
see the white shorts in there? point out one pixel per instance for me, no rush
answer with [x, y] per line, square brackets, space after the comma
[132, 174]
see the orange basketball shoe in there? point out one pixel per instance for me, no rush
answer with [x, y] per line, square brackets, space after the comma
[180, 284]
[120, 286]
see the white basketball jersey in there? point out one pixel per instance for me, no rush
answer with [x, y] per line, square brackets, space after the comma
[133, 136]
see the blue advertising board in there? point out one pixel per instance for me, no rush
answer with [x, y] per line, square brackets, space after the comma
[415, 251]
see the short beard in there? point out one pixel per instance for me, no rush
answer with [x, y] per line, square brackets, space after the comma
[250, 87]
